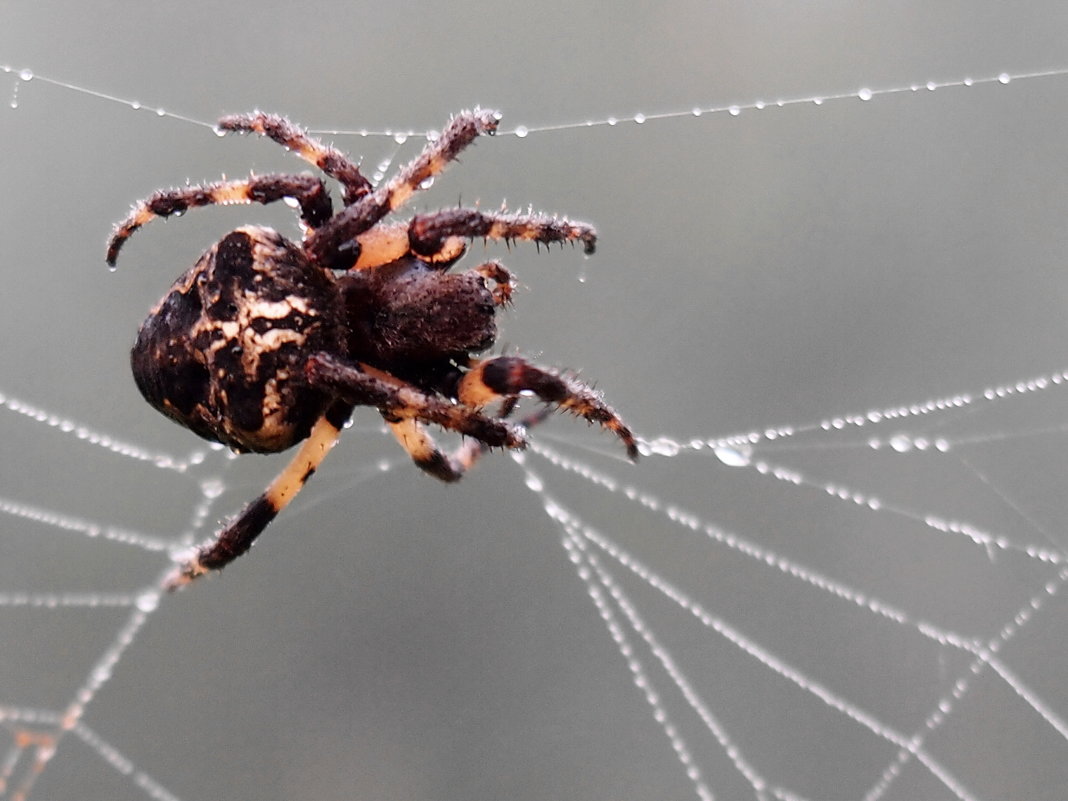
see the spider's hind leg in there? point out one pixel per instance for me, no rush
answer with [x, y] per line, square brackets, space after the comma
[508, 376]
[309, 192]
[333, 162]
[239, 534]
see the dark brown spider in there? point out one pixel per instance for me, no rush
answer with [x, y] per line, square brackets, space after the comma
[260, 345]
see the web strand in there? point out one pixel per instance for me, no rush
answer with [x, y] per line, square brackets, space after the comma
[909, 431]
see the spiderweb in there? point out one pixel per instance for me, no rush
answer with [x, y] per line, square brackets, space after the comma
[837, 573]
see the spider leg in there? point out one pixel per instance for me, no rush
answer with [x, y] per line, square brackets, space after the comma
[397, 400]
[334, 245]
[383, 244]
[443, 465]
[309, 192]
[239, 534]
[333, 162]
[507, 376]
[440, 238]
[428, 457]
[428, 233]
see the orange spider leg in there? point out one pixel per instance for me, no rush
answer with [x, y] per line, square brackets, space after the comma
[239, 534]
[310, 193]
[428, 457]
[332, 162]
[508, 376]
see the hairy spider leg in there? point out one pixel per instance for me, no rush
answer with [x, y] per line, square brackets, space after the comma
[334, 245]
[363, 385]
[240, 533]
[309, 192]
[508, 376]
[428, 233]
[441, 237]
[430, 458]
[331, 161]
[443, 465]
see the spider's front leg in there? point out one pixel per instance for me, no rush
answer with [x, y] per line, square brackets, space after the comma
[309, 192]
[508, 376]
[333, 162]
[335, 245]
[239, 534]
[440, 238]
[398, 401]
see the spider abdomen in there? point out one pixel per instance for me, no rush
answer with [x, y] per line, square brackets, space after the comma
[223, 352]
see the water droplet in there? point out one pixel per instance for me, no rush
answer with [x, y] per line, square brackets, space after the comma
[400, 137]
[931, 86]
[818, 101]
[696, 111]
[639, 118]
[734, 455]
[968, 82]
[292, 202]
[865, 94]
[611, 120]
[427, 182]
[212, 488]
[534, 483]
[734, 111]
[1004, 78]
[521, 131]
[136, 106]
[760, 104]
[148, 601]
[661, 446]
[25, 75]
[161, 113]
[901, 443]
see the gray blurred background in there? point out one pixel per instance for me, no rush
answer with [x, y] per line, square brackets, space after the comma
[392, 638]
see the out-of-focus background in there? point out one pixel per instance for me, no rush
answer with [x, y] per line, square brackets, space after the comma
[392, 638]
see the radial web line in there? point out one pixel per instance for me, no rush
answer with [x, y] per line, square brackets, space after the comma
[38, 739]
[577, 553]
[945, 705]
[840, 590]
[722, 445]
[79, 525]
[749, 646]
[86, 434]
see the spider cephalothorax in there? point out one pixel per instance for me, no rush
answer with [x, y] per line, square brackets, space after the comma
[265, 343]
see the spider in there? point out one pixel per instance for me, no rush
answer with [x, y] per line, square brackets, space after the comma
[265, 343]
